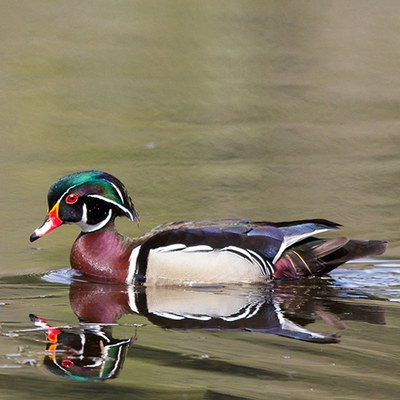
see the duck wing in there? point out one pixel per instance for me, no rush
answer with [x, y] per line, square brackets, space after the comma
[259, 243]
[268, 238]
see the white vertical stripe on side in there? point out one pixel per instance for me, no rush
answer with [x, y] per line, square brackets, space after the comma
[132, 299]
[132, 264]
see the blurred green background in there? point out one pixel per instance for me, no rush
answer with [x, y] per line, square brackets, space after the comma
[267, 110]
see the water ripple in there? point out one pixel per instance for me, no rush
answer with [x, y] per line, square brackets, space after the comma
[381, 278]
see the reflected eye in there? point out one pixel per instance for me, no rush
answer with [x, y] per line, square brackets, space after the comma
[71, 198]
[67, 363]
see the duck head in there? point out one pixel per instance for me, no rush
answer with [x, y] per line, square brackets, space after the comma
[90, 199]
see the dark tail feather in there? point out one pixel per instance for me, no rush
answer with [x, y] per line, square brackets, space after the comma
[320, 256]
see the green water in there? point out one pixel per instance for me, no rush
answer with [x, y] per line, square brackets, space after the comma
[272, 110]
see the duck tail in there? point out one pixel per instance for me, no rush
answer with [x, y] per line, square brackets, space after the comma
[320, 256]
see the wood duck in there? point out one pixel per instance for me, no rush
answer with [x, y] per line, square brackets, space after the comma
[202, 252]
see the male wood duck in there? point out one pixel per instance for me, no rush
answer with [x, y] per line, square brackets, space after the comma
[203, 252]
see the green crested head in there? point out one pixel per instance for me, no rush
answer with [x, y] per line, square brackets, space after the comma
[91, 199]
[94, 184]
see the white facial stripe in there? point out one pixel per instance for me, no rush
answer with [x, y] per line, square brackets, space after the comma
[60, 198]
[84, 214]
[103, 198]
[114, 203]
[83, 222]
[91, 228]
[118, 191]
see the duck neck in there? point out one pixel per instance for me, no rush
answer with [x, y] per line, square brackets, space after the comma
[103, 254]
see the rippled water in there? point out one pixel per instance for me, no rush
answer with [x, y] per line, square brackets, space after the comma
[310, 336]
[381, 281]
[262, 110]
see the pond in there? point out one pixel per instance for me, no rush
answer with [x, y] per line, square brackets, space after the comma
[231, 109]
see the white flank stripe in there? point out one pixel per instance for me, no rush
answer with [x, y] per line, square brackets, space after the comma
[260, 262]
[238, 252]
[243, 315]
[183, 248]
[172, 247]
[256, 310]
[235, 249]
[197, 317]
[251, 257]
[132, 264]
[168, 315]
[197, 248]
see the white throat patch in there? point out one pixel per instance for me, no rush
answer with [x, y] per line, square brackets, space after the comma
[91, 228]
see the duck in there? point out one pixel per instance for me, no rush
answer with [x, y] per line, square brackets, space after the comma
[225, 251]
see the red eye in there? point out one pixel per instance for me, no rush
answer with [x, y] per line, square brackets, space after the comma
[67, 363]
[71, 198]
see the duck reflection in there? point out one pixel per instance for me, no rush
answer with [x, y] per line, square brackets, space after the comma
[87, 353]
[284, 309]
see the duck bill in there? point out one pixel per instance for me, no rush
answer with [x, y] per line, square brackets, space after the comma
[51, 222]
